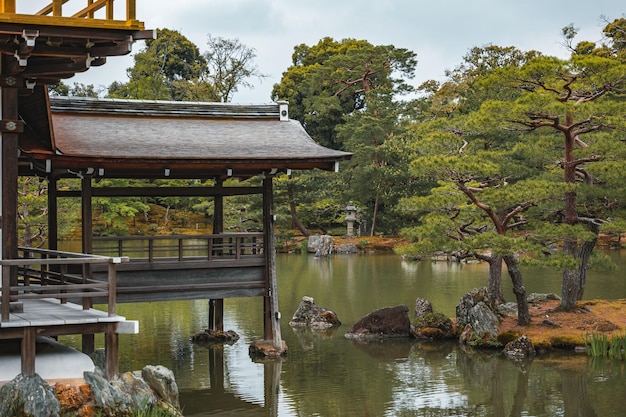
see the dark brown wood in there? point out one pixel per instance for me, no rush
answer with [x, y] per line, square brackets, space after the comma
[272, 313]
[166, 192]
[88, 343]
[53, 215]
[111, 353]
[9, 176]
[216, 321]
[29, 347]
[87, 215]
[219, 314]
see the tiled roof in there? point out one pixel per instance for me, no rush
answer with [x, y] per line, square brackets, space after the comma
[131, 134]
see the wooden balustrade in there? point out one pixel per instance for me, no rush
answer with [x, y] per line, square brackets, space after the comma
[234, 246]
[87, 9]
[48, 274]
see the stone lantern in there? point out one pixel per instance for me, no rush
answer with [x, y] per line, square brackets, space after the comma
[350, 218]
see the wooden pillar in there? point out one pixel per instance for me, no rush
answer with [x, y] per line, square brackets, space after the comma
[53, 214]
[8, 172]
[216, 306]
[87, 215]
[29, 348]
[271, 314]
[111, 353]
[88, 343]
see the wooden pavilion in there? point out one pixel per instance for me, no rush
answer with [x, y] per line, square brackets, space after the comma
[50, 292]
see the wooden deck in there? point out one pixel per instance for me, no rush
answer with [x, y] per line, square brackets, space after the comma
[35, 303]
[50, 312]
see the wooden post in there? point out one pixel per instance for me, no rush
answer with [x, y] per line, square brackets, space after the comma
[8, 171]
[88, 342]
[53, 215]
[131, 10]
[216, 306]
[271, 313]
[111, 353]
[8, 6]
[29, 348]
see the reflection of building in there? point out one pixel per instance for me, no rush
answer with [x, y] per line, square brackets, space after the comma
[96, 139]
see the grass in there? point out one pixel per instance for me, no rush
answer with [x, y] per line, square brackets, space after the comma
[599, 345]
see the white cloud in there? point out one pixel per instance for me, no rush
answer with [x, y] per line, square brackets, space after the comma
[440, 32]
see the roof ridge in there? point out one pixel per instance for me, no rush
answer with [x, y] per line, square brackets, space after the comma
[112, 106]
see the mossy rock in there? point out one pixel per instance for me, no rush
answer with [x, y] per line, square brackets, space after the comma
[433, 326]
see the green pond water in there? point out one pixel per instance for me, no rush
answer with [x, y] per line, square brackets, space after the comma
[325, 374]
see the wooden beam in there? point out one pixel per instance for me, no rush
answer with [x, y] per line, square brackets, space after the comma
[166, 191]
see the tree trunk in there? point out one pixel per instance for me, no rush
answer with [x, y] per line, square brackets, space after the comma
[569, 286]
[523, 315]
[584, 254]
[294, 215]
[494, 286]
[374, 215]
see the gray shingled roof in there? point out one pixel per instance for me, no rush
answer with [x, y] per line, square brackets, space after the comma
[183, 132]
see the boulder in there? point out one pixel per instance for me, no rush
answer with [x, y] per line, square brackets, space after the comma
[210, 336]
[347, 248]
[387, 322]
[311, 315]
[507, 309]
[519, 348]
[28, 396]
[432, 326]
[108, 396]
[539, 297]
[162, 381]
[469, 300]
[476, 311]
[422, 306]
[325, 247]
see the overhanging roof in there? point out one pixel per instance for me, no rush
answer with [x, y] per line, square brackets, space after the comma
[154, 139]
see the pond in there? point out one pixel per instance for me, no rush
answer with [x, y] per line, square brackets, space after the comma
[325, 374]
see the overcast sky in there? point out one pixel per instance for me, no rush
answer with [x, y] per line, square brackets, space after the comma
[440, 32]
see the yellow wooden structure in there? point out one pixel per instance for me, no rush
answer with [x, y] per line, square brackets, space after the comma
[72, 13]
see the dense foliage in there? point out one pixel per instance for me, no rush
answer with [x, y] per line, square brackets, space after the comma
[515, 157]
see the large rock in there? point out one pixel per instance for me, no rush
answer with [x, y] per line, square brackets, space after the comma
[162, 381]
[28, 397]
[108, 396]
[519, 348]
[433, 326]
[478, 318]
[386, 322]
[311, 315]
[422, 306]
[467, 302]
[347, 248]
[325, 246]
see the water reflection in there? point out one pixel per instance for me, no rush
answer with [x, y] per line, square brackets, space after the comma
[325, 374]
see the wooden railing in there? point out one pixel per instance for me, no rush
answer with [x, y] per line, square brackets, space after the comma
[55, 8]
[182, 247]
[45, 274]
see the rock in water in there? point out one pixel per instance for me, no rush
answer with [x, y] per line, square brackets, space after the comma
[386, 322]
[311, 315]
